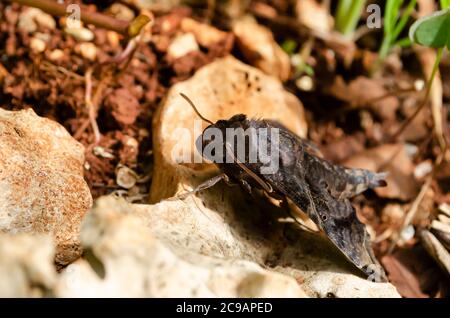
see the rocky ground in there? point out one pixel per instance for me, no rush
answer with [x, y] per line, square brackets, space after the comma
[88, 170]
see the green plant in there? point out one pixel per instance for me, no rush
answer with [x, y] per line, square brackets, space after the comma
[348, 14]
[394, 24]
[431, 31]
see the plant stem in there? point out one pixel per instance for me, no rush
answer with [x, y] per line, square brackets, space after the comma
[347, 15]
[427, 94]
[95, 18]
[405, 17]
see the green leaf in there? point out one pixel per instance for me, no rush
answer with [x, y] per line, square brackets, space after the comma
[433, 30]
[289, 46]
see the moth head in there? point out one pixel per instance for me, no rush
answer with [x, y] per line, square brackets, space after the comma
[215, 136]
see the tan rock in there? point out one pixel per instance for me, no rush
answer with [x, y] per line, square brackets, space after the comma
[121, 12]
[37, 45]
[207, 225]
[87, 50]
[42, 189]
[31, 18]
[260, 48]
[205, 34]
[182, 45]
[124, 259]
[26, 265]
[80, 33]
[314, 15]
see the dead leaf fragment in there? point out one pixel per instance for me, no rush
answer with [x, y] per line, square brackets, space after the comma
[206, 35]
[260, 48]
[314, 15]
[364, 91]
[436, 250]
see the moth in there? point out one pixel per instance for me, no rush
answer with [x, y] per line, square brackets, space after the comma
[318, 187]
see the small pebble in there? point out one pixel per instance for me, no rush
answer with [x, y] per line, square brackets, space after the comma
[125, 177]
[56, 55]
[305, 83]
[121, 12]
[408, 233]
[182, 45]
[31, 18]
[422, 169]
[87, 50]
[113, 38]
[81, 34]
[419, 85]
[37, 45]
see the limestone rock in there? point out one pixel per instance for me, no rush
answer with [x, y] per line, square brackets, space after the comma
[42, 189]
[207, 225]
[182, 45]
[260, 48]
[124, 259]
[31, 18]
[26, 265]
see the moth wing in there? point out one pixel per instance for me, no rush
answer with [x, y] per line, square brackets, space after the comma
[340, 223]
[341, 182]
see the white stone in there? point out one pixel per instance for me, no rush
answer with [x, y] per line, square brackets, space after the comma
[42, 189]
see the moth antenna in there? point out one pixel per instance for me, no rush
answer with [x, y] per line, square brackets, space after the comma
[195, 109]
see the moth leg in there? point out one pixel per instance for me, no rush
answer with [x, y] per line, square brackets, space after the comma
[205, 185]
[247, 187]
[266, 186]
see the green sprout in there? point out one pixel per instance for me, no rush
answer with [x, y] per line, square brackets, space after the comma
[431, 31]
[394, 24]
[348, 14]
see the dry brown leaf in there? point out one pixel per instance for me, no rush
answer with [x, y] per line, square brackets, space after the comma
[364, 91]
[436, 250]
[314, 15]
[414, 273]
[260, 48]
[206, 35]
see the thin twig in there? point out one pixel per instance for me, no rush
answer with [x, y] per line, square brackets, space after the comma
[95, 18]
[424, 101]
[126, 28]
[416, 204]
[90, 105]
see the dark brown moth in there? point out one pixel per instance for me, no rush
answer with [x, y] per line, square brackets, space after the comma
[319, 188]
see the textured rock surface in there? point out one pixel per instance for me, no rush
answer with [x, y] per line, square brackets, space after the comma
[124, 259]
[42, 189]
[207, 226]
[26, 265]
